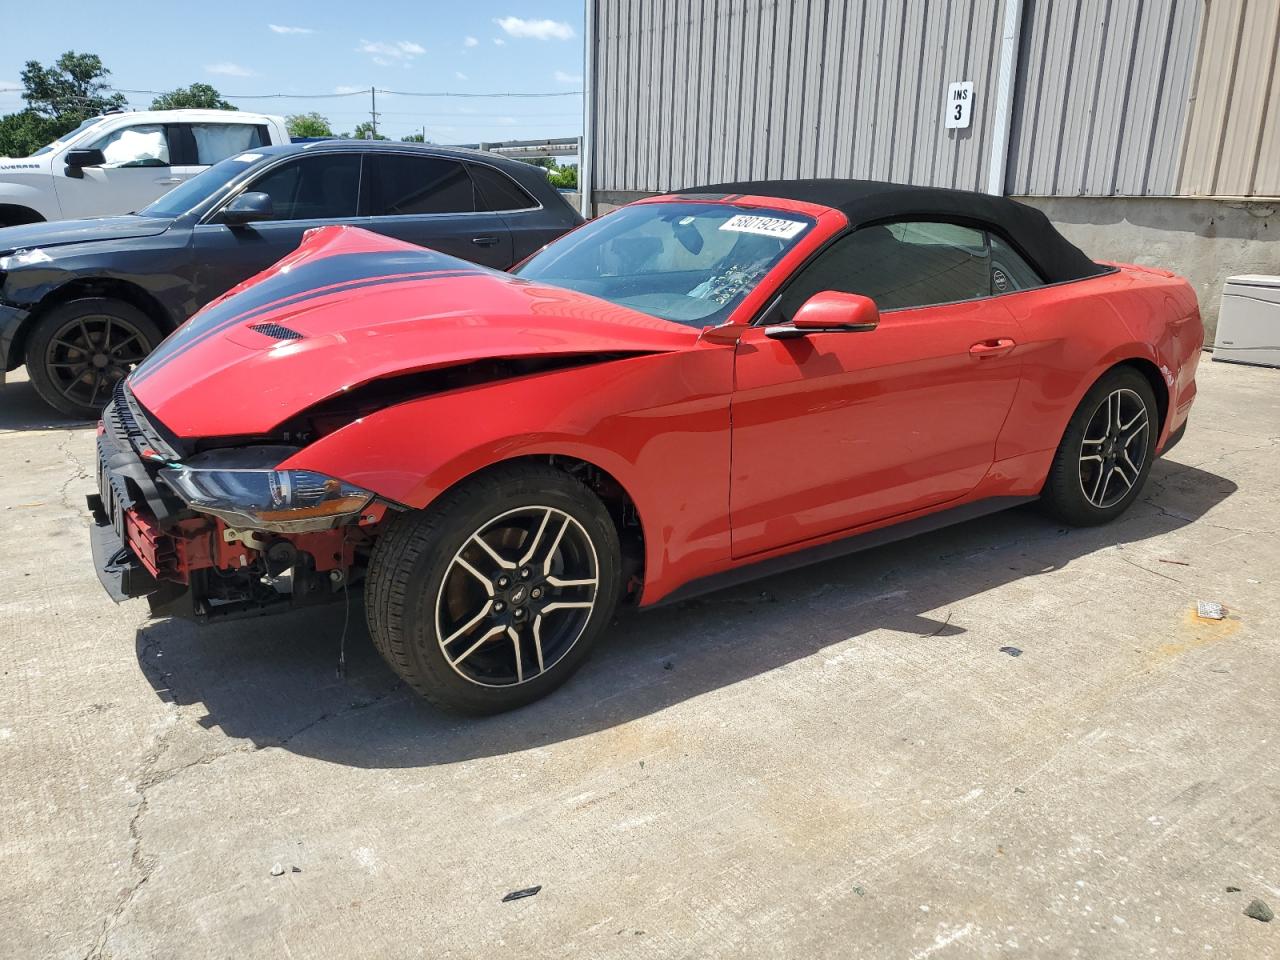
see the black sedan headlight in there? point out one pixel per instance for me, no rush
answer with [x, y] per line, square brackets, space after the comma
[243, 488]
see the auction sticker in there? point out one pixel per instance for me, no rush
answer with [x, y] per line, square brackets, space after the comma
[764, 226]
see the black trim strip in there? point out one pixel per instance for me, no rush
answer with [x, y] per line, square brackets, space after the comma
[854, 543]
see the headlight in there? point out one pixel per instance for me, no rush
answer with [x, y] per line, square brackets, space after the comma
[237, 487]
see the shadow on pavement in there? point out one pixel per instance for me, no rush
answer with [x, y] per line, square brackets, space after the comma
[273, 681]
[22, 409]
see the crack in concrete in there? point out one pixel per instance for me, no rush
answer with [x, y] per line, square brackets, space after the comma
[334, 715]
[80, 473]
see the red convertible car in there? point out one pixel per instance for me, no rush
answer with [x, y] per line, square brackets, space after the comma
[687, 392]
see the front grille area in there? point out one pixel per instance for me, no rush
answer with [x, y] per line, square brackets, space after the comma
[275, 331]
[125, 421]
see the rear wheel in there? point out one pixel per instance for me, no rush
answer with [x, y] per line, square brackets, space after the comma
[1106, 452]
[81, 349]
[495, 595]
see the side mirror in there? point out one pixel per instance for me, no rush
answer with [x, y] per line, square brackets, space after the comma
[830, 312]
[77, 160]
[248, 208]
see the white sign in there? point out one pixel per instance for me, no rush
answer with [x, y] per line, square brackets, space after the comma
[764, 226]
[959, 105]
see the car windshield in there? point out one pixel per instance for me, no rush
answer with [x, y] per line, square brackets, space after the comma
[199, 188]
[50, 147]
[690, 263]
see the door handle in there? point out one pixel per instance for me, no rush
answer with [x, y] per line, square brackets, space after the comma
[992, 348]
[484, 241]
[169, 180]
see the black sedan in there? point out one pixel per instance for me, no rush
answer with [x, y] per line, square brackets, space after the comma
[82, 301]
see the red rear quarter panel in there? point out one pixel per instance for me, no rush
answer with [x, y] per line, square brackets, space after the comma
[1074, 332]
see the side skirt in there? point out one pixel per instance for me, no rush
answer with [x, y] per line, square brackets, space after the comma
[833, 549]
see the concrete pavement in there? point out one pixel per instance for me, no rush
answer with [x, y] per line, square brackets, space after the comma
[841, 762]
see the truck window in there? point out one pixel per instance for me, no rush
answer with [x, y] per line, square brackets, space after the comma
[144, 145]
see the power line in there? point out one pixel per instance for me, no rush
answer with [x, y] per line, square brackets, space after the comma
[351, 93]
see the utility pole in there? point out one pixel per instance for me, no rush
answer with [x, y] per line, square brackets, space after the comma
[373, 111]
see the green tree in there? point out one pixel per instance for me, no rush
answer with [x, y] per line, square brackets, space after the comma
[198, 96]
[308, 125]
[59, 98]
[74, 88]
[364, 129]
[564, 178]
[413, 138]
[25, 132]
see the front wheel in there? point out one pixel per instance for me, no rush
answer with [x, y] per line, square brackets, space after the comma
[81, 349]
[494, 596]
[1106, 452]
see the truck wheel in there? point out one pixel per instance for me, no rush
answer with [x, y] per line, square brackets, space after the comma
[493, 596]
[81, 349]
[1106, 452]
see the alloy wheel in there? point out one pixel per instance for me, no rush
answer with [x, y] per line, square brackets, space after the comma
[89, 355]
[517, 596]
[1114, 448]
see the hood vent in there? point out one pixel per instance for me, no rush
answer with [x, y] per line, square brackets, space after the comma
[275, 331]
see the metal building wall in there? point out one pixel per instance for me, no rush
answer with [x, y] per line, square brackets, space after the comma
[1114, 97]
[1102, 97]
[1233, 139]
[697, 91]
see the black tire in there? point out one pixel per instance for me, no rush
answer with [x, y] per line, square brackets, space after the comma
[414, 585]
[80, 349]
[1094, 478]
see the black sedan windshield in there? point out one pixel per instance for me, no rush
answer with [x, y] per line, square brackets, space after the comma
[690, 263]
[199, 188]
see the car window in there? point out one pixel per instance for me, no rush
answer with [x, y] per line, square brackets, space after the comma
[321, 187]
[496, 191]
[403, 185]
[690, 263]
[144, 145]
[912, 264]
[1009, 272]
[217, 141]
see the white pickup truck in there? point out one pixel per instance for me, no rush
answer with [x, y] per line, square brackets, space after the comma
[120, 162]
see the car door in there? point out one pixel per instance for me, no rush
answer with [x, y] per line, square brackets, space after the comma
[531, 225]
[137, 170]
[431, 201]
[313, 190]
[833, 430]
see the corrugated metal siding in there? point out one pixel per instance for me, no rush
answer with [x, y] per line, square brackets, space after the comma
[702, 90]
[1233, 141]
[1102, 96]
[1114, 97]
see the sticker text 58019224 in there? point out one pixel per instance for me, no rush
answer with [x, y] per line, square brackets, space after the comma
[765, 226]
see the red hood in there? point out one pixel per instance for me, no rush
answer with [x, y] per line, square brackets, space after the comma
[350, 306]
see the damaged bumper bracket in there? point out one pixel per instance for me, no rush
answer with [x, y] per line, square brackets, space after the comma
[122, 575]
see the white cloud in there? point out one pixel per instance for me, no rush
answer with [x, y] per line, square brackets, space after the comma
[470, 42]
[562, 77]
[276, 28]
[385, 54]
[347, 88]
[535, 29]
[499, 42]
[460, 75]
[229, 70]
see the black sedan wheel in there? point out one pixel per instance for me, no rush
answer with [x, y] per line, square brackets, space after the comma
[491, 598]
[1106, 452]
[81, 349]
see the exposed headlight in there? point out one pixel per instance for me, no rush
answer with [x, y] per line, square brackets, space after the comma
[236, 487]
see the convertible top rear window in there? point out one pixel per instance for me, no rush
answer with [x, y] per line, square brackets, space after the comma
[690, 263]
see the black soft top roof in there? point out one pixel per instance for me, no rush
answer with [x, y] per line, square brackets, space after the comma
[873, 201]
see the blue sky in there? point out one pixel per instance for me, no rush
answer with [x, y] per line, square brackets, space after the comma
[326, 47]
